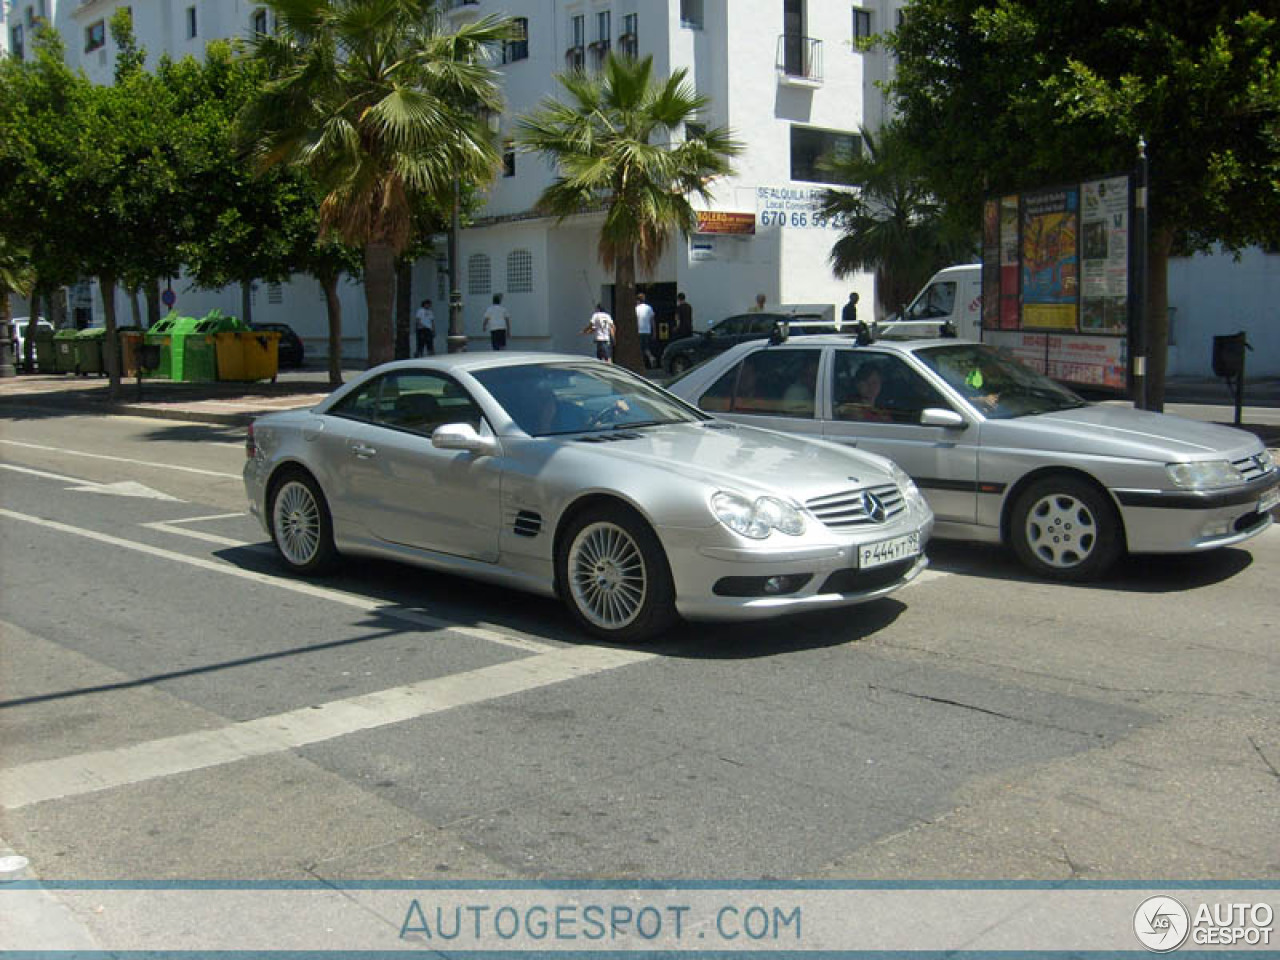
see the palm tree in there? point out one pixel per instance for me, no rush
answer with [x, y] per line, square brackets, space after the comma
[381, 105]
[891, 223]
[612, 142]
[16, 276]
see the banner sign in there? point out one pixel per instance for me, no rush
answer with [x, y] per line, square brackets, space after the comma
[1055, 279]
[714, 221]
[794, 208]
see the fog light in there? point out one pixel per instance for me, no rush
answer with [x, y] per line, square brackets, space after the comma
[1219, 529]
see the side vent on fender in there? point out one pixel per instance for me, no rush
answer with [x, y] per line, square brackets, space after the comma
[528, 524]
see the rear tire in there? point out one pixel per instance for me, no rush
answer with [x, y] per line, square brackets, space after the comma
[301, 526]
[678, 365]
[1064, 528]
[614, 577]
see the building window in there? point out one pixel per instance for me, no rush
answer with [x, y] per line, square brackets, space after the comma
[478, 282]
[814, 149]
[259, 23]
[517, 49]
[604, 38]
[508, 158]
[691, 14]
[575, 56]
[95, 36]
[191, 23]
[520, 271]
[275, 293]
[861, 25]
[695, 131]
[15, 42]
[629, 42]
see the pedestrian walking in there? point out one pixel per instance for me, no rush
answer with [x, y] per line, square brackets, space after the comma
[425, 327]
[759, 307]
[684, 317]
[849, 321]
[600, 326]
[644, 326]
[498, 323]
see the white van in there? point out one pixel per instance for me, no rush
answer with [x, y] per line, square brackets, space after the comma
[952, 296]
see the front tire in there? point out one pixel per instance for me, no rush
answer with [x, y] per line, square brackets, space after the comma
[301, 526]
[614, 577]
[678, 365]
[1064, 528]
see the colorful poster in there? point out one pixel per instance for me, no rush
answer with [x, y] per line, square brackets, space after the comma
[1010, 300]
[1050, 261]
[991, 290]
[1072, 358]
[1104, 228]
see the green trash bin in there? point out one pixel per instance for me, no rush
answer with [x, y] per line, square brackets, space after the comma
[89, 351]
[194, 351]
[64, 351]
[161, 335]
[42, 351]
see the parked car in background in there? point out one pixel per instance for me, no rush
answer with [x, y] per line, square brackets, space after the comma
[1004, 454]
[680, 355]
[574, 478]
[19, 327]
[291, 352]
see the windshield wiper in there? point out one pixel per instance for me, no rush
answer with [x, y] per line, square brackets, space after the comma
[641, 423]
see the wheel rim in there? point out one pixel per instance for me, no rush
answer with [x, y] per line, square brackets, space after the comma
[607, 576]
[296, 520]
[1061, 531]
[679, 365]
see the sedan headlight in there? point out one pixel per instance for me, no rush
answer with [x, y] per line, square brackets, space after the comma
[910, 492]
[1204, 474]
[1267, 461]
[757, 518]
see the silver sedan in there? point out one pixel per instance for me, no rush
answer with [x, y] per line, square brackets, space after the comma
[1002, 453]
[568, 477]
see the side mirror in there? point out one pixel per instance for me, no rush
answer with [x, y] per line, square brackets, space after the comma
[463, 436]
[938, 417]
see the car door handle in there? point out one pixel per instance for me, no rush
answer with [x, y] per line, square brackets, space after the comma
[363, 451]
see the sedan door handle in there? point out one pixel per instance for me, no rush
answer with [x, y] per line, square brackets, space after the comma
[363, 451]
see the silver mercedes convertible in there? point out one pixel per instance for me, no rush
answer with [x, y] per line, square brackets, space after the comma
[570, 477]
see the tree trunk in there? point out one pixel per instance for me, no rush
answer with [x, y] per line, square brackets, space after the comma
[246, 301]
[334, 307]
[152, 290]
[1158, 316]
[627, 353]
[7, 360]
[379, 297]
[404, 308]
[135, 306]
[110, 343]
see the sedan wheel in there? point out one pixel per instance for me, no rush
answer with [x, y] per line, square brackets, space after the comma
[678, 365]
[614, 576]
[301, 526]
[1065, 529]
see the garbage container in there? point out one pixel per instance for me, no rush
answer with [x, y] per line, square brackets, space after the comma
[64, 351]
[42, 350]
[89, 351]
[261, 354]
[230, 353]
[160, 334]
[1228, 355]
[194, 351]
[130, 340]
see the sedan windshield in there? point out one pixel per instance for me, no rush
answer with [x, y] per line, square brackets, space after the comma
[998, 385]
[546, 399]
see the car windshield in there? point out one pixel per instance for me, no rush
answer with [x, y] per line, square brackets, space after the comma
[998, 385]
[546, 399]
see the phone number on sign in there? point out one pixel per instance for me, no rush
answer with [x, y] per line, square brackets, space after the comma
[783, 218]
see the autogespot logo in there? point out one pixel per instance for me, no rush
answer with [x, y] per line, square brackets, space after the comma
[1161, 924]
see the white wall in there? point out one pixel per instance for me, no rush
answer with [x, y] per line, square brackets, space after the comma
[1213, 295]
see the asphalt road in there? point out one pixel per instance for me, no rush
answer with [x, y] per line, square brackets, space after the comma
[173, 706]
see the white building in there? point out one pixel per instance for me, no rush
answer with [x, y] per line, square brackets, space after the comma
[785, 75]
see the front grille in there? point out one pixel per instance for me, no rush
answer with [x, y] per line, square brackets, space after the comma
[1250, 468]
[845, 510]
[853, 580]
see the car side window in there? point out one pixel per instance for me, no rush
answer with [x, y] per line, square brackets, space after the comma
[731, 327]
[762, 323]
[719, 398]
[879, 388]
[776, 383]
[419, 402]
[361, 404]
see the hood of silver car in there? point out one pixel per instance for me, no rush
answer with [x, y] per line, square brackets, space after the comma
[744, 459]
[1104, 429]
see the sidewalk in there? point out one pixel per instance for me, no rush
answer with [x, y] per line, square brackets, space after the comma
[237, 404]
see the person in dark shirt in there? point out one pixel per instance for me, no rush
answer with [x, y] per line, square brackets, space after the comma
[684, 317]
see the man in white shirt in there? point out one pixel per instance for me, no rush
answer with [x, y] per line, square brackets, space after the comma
[601, 327]
[425, 326]
[644, 326]
[498, 322]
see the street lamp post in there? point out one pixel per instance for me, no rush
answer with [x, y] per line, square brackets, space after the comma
[457, 339]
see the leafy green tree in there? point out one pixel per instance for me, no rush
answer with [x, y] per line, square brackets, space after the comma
[379, 103]
[16, 276]
[891, 223]
[612, 140]
[1005, 96]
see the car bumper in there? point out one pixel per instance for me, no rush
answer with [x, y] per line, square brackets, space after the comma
[708, 575]
[1178, 522]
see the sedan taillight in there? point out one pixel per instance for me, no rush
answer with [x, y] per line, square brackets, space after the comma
[250, 447]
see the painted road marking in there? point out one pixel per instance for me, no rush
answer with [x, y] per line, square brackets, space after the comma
[31, 783]
[140, 463]
[124, 488]
[364, 604]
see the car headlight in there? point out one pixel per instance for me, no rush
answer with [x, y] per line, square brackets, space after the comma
[1204, 474]
[757, 518]
[910, 492]
[1267, 461]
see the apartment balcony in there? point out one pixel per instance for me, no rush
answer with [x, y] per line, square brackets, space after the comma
[629, 45]
[599, 53]
[575, 58]
[799, 60]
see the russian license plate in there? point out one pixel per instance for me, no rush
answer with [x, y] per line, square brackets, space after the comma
[1270, 500]
[888, 551]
